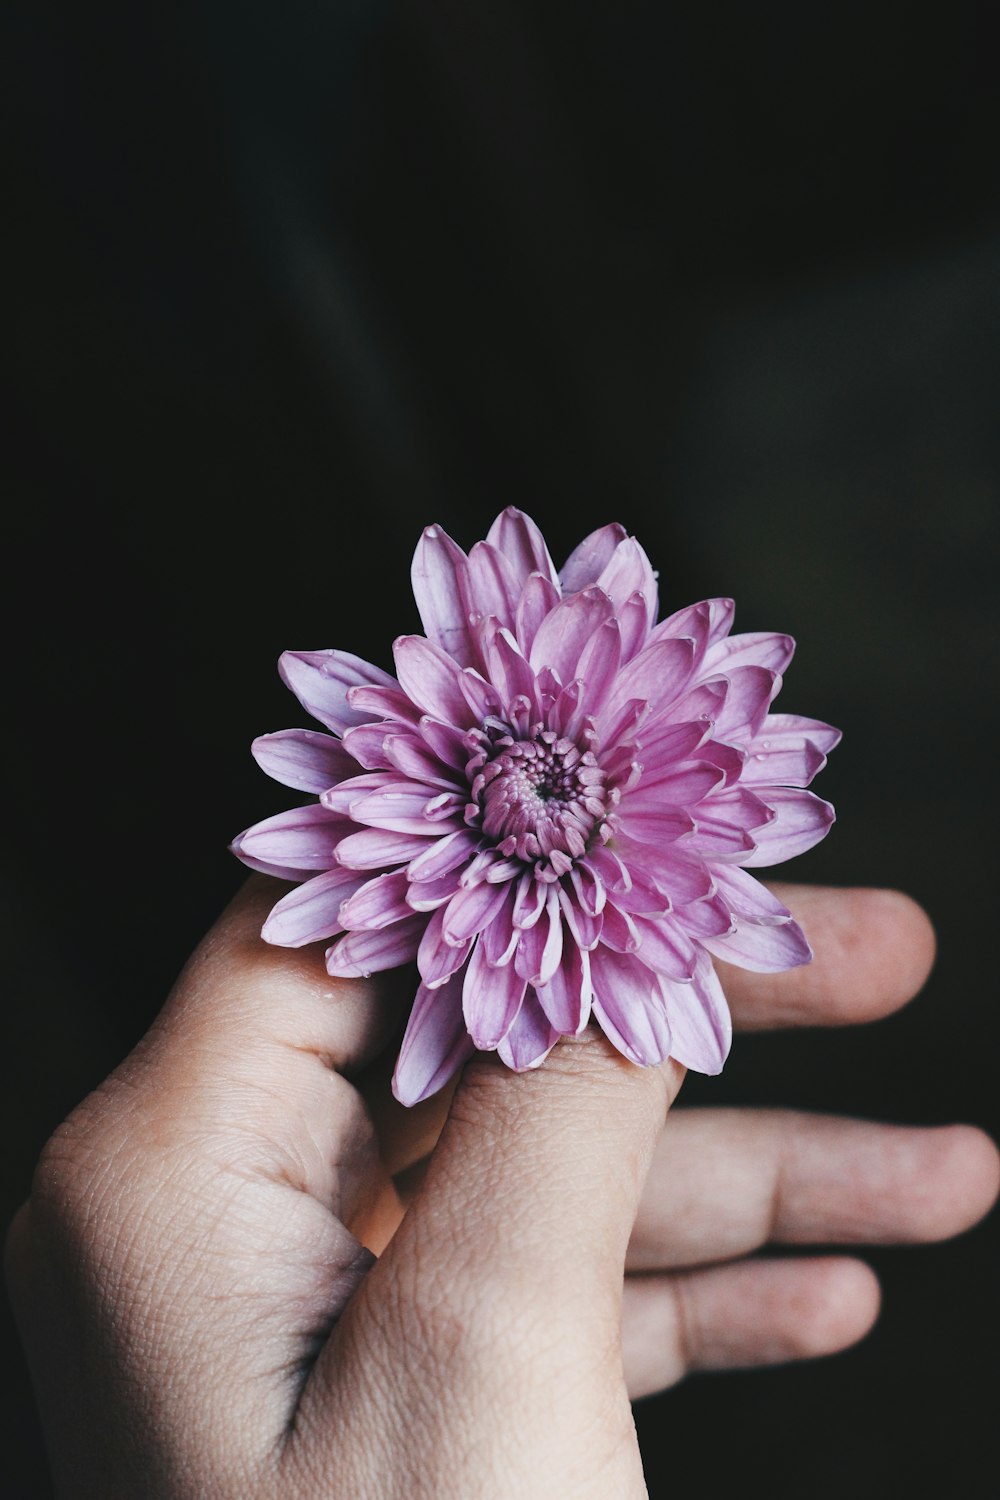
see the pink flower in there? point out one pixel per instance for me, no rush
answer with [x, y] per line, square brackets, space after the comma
[552, 807]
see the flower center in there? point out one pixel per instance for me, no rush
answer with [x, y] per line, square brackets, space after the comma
[541, 796]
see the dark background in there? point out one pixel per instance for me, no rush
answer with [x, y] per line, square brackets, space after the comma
[289, 282]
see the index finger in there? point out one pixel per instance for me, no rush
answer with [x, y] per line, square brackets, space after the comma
[873, 950]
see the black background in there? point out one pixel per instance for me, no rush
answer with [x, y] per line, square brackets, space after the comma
[291, 281]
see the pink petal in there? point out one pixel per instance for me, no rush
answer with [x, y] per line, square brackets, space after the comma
[566, 998]
[378, 903]
[706, 622]
[321, 681]
[435, 1045]
[750, 692]
[304, 838]
[530, 1039]
[366, 743]
[509, 670]
[310, 912]
[481, 696]
[662, 745]
[403, 807]
[438, 575]
[493, 587]
[802, 819]
[445, 741]
[701, 1029]
[587, 561]
[684, 784]
[417, 762]
[629, 572]
[629, 1007]
[340, 797]
[469, 911]
[519, 539]
[539, 948]
[633, 618]
[383, 703]
[429, 677]
[710, 918]
[428, 895]
[599, 664]
[618, 930]
[788, 751]
[665, 947]
[444, 854]
[746, 897]
[538, 597]
[757, 649]
[566, 630]
[361, 954]
[654, 825]
[491, 998]
[764, 949]
[656, 676]
[584, 925]
[436, 959]
[374, 848]
[303, 758]
[679, 872]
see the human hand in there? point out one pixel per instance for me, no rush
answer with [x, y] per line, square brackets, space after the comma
[202, 1319]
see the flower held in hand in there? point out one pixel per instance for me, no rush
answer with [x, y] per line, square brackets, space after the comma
[552, 807]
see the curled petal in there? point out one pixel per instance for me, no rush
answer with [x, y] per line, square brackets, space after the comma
[764, 949]
[629, 1006]
[566, 998]
[378, 902]
[519, 539]
[303, 758]
[435, 1045]
[429, 678]
[360, 954]
[530, 1038]
[801, 820]
[311, 912]
[565, 633]
[700, 1024]
[491, 999]
[321, 681]
[304, 838]
[438, 576]
[587, 561]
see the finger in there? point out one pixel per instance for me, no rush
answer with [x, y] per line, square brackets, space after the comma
[197, 1223]
[759, 1312]
[873, 950]
[725, 1182]
[505, 1278]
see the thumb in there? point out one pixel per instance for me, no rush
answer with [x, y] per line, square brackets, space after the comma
[536, 1179]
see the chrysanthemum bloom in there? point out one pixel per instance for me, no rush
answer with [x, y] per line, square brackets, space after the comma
[552, 807]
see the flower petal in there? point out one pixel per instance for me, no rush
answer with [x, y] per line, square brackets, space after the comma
[321, 681]
[435, 1045]
[665, 947]
[788, 751]
[538, 597]
[765, 949]
[436, 959]
[801, 820]
[566, 998]
[629, 1007]
[566, 630]
[539, 947]
[378, 903]
[491, 998]
[304, 759]
[444, 854]
[750, 692]
[303, 838]
[471, 909]
[429, 678]
[598, 665]
[311, 912]
[759, 648]
[519, 539]
[657, 676]
[530, 1039]
[628, 572]
[438, 575]
[492, 585]
[370, 951]
[374, 848]
[588, 560]
[417, 762]
[700, 1025]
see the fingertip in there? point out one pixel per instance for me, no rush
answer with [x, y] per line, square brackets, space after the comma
[962, 1181]
[835, 1304]
[902, 945]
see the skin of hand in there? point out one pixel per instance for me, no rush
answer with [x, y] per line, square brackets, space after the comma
[203, 1318]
